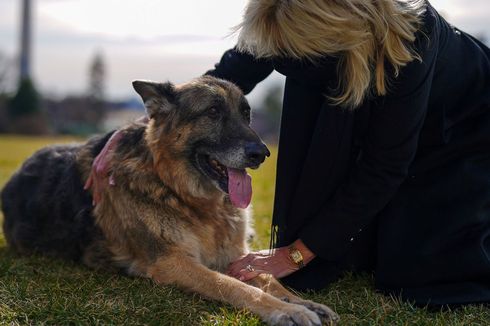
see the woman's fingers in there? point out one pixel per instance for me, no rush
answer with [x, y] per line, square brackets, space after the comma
[247, 274]
[265, 252]
[239, 263]
[250, 259]
[235, 269]
[264, 262]
[260, 262]
[247, 267]
[250, 270]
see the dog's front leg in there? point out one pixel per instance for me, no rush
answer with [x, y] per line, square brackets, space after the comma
[183, 271]
[269, 284]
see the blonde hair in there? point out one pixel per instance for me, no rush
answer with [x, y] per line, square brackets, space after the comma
[362, 33]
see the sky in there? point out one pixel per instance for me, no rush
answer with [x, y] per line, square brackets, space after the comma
[149, 39]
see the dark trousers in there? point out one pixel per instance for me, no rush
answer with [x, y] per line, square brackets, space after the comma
[319, 273]
[429, 246]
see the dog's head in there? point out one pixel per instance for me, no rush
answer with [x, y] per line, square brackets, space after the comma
[200, 136]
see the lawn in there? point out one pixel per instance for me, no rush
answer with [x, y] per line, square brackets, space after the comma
[38, 290]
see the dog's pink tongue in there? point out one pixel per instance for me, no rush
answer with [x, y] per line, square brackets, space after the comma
[239, 187]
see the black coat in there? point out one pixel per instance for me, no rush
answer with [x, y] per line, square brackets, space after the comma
[400, 185]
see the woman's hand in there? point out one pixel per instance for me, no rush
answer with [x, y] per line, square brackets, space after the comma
[97, 179]
[276, 262]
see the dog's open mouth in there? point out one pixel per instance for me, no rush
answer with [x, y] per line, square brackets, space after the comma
[235, 182]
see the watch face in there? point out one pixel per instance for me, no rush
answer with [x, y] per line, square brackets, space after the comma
[296, 256]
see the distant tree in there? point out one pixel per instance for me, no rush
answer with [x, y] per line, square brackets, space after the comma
[96, 89]
[4, 82]
[5, 69]
[272, 107]
[24, 111]
[97, 76]
[273, 103]
[26, 101]
[267, 119]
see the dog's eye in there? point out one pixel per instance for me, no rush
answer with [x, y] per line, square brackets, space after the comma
[213, 113]
[246, 113]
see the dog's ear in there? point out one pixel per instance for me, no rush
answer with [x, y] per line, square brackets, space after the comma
[158, 97]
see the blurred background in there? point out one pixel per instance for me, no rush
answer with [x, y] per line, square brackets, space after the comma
[66, 66]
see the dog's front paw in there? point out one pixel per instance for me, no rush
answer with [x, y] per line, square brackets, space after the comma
[294, 315]
[327, 315]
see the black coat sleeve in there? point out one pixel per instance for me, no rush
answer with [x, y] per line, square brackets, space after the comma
[386, 153]
[242, 69]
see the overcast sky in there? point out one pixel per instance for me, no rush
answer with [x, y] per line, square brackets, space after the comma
[151, 39]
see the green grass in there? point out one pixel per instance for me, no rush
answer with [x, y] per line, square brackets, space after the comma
[39, 290]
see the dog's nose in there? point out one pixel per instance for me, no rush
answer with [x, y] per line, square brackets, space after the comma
[256, 152]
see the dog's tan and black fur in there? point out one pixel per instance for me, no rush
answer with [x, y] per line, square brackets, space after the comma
[168, 217]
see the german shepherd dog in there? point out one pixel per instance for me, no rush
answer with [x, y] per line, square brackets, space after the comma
[175, 213]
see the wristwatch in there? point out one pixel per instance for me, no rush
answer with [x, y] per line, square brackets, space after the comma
[296, 256]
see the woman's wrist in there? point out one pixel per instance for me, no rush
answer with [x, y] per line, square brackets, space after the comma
[307, 254]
